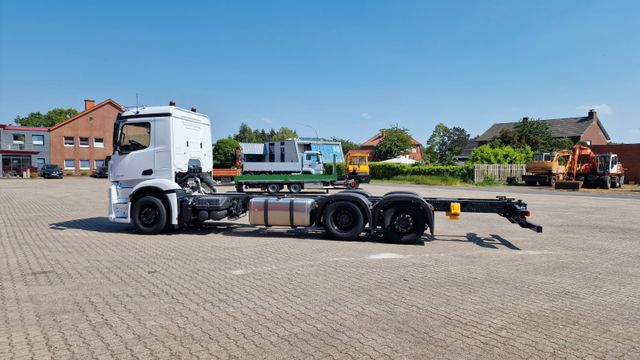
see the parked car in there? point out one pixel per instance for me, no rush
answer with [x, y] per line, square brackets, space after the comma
[101, 172]
[51, 171]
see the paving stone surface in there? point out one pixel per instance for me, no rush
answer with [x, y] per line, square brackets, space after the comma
[75, 286]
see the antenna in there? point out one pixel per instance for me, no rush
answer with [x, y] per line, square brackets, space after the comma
[137, 111]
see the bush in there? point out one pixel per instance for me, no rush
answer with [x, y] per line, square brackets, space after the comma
[328, 168]
[83, 173]
[69, 173]
[381, 170]
[488, 154]
[489, 180]
[34, 174]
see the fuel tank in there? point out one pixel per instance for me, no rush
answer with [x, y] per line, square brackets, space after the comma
[271, 211]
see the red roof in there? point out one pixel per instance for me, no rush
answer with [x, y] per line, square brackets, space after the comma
[108, 101]
[379, 136]
[23, 128]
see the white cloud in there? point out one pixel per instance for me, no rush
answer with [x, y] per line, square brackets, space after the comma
[602, 109]
[365, 115]
[267, 120]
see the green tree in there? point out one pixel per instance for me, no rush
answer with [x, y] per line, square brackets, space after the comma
[561, 143]
[223, 152]
[346, 144]
[51, 118]
[534, 133]
[509, 136]
[245, 134]
[445, 144]
[396, 142]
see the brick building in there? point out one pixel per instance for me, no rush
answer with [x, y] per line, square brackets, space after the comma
[370, 145]
[629, 156]
[22, 147]
[83, 142]
[582, 128]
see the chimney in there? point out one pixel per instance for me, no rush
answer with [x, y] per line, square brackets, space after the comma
[592, 114]
[88, 104]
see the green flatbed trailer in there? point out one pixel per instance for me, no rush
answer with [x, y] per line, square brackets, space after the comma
[273, 183]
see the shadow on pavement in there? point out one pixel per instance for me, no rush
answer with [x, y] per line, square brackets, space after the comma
[103, 225]
[493, 241]
[97, 224]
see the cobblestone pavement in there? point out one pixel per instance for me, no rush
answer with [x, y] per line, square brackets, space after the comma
[74, 285]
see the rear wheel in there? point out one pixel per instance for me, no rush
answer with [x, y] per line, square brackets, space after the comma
[343, 220]
[552, 181]
[606, 182]
[273, 188]
[403, 223]
[149, 215]
[294, 188]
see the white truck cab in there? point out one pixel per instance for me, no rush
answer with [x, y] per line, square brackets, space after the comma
[159, 149]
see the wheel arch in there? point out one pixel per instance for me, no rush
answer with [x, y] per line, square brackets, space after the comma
[167, 191]
[359, 199]
[404, 197]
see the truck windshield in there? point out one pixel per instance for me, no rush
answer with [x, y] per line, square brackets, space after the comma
[313, 157]
[542, 157]
[358, 160]
[133, 137]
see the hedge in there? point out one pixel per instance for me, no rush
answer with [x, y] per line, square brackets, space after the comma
[328, 168]
[381, 170]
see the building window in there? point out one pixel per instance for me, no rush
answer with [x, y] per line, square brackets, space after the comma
[98, 163]
[68, 141]
[85, 164]
[40, 162]
[18, 139]
[84, 142]
[70, 164]
[98, 142]
[37, 139]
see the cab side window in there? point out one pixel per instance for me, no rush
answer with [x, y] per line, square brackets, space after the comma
[135, 136]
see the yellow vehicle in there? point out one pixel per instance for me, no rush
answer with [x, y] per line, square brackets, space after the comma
[357, 166]
[547, 168]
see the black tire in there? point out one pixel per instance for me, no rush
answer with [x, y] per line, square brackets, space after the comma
[207, 183]
[552, 182]
[149, 215]
[343, 220]
[294, 188]
[606, 182]
[273, 188]
[239, 188]
[403, 223]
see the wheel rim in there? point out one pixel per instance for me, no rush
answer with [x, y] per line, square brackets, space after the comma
[148, 216]
[343, 219]
[272, 188]
[403, 223]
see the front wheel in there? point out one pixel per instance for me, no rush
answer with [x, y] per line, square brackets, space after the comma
[149, 215]
[403, 223]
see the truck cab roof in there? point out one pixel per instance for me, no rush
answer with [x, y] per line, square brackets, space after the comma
[161, 111]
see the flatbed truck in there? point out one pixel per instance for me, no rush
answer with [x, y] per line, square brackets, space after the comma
[156, 185]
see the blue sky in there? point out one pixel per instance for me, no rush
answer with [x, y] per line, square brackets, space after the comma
[343, 68]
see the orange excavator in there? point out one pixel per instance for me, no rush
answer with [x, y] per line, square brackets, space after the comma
[585, 168]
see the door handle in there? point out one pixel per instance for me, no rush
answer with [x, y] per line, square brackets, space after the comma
[147, 172]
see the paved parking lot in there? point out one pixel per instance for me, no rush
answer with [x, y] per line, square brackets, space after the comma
[74, 285]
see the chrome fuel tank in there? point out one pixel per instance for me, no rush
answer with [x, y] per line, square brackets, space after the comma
[281, 211]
